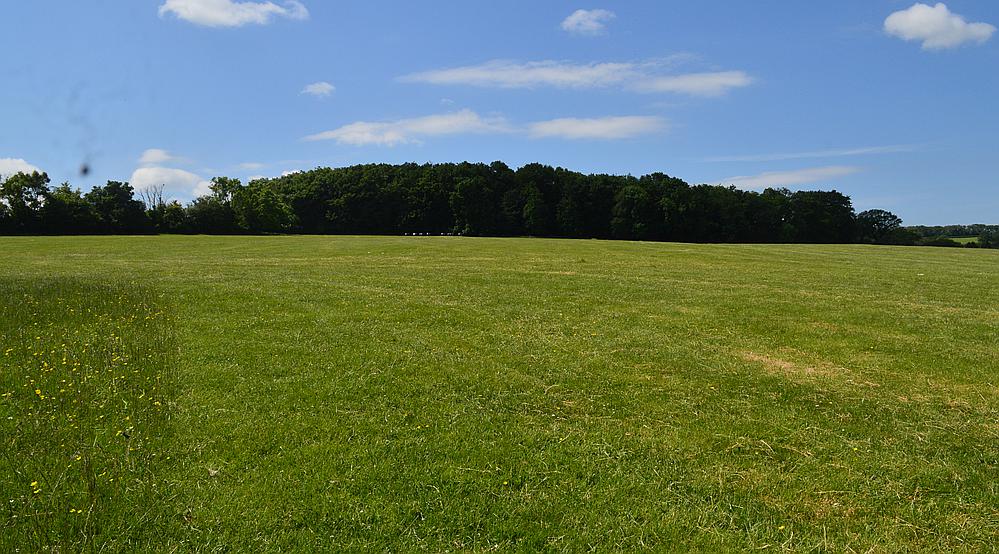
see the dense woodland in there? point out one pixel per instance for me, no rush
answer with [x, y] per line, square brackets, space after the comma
[464, 199]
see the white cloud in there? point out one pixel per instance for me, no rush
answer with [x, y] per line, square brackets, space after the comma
[805, 176]
[203, 188]
[587, 22]
[391, 133]
[597, 128]
[321, 89]
[507, 74]
[157, 156]
[645, 77]
[228, 13]
[845, 152]
[697, 84]
[179, 184]
[251, 166]
[13, 166]
[936, 26]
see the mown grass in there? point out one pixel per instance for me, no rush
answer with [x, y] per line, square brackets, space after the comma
[84, 396]
[355, 393]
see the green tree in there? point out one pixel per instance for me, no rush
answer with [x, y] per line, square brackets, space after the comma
[260, 209]
[117, 210]
[474, 207]
[23, 195]
[213, 213]
[67, 212]
[174, 218]
[989, 238]
[536, 213]
[877, 225]
[822, 217]
[633, 214]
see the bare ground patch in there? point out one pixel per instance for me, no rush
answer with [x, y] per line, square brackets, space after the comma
[801, 371]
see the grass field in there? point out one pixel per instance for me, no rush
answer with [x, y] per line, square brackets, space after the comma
[344, 393]
[964, 240]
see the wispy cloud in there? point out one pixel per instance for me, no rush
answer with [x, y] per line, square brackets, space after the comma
[697, 84]
[936, 26]
[841, 153]
[806, 176]
[644, 77]
[601, 128]
[228, 13]
[158, 156]
[587, 22]
[413, 130]
[321, 89]
[251, 166]
[13, 166]
[402, 131]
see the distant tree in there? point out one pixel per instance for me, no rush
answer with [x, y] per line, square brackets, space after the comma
[900, 237]
[213, 213]
[474, 207]
[570, 214]
[633, 214]
[822, 217]
[208, 215]
[6, 219]
[989, 238]
[174, 219]
[539, 186]
[67, 212]
[23, 195]
[939, 241]
[260, 209]
[535, 213]
[472, 198]
[225, 188]
[152, 196]
[117, 210]
[876, 225]
[512, 211]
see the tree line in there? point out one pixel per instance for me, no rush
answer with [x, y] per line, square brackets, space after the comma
[473, 199]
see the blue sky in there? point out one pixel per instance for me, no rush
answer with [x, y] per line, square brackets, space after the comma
[891, 102]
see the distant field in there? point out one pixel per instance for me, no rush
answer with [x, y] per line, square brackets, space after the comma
[330, 393]
[964, 240]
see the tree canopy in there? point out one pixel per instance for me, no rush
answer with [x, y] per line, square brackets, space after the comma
[455, 198]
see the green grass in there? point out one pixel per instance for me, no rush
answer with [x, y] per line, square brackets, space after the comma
[84, 410]
[345, 393]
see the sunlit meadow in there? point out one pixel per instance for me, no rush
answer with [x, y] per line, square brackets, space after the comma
[84, 412]
[416, 393]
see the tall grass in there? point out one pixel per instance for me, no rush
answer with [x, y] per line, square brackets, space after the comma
[84, 411]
